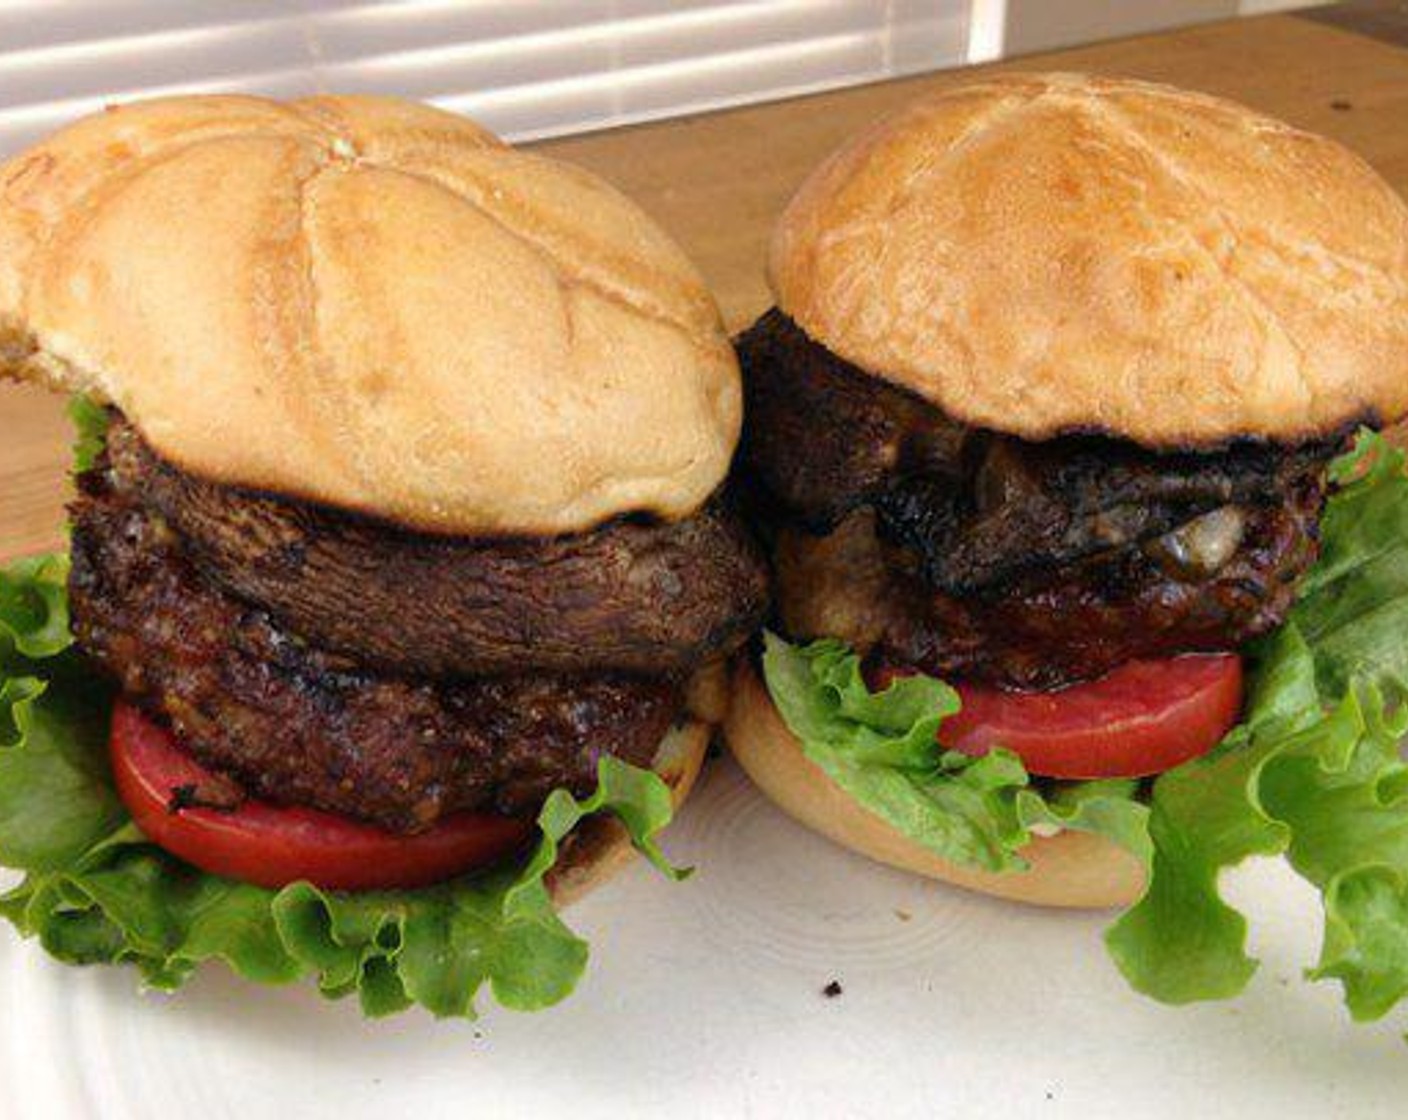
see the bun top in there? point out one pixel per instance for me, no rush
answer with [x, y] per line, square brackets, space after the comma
[1040, 254]
[371, 304]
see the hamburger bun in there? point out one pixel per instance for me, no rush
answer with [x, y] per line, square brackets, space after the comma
[369, 304]
[1042, 254]
[1070, 869]
[600, 847]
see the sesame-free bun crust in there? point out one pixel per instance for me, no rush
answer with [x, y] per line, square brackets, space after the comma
[1070, 869]
[1040, 254]
[371, 304]
[599, 847]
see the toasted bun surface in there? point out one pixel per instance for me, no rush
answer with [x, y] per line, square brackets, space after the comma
[372, 304]
[599, 847]
[1046, 253]
[1070, 869]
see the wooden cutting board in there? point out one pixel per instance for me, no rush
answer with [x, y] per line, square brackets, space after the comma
[717, 181]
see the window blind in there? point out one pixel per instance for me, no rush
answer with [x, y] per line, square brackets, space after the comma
[526, 68]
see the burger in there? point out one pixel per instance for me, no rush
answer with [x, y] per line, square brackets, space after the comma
[1091, 572]
[401, 575]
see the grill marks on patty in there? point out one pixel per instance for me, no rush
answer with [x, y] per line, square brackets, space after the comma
[296, 725]
[388, 737]
[972, 554]
[1050, 628]
[649, 598]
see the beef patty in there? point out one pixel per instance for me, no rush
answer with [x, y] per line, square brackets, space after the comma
[297, 725]
[988, 557]
[1050, 628]
[644, 597]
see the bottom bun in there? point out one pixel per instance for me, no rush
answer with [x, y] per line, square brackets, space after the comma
[599, 847]
[1071, 869]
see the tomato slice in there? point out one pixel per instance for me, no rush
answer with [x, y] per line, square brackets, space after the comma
[1143, 718]
[272, 846]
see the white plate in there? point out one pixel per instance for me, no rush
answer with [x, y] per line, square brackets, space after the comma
[705, 999]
